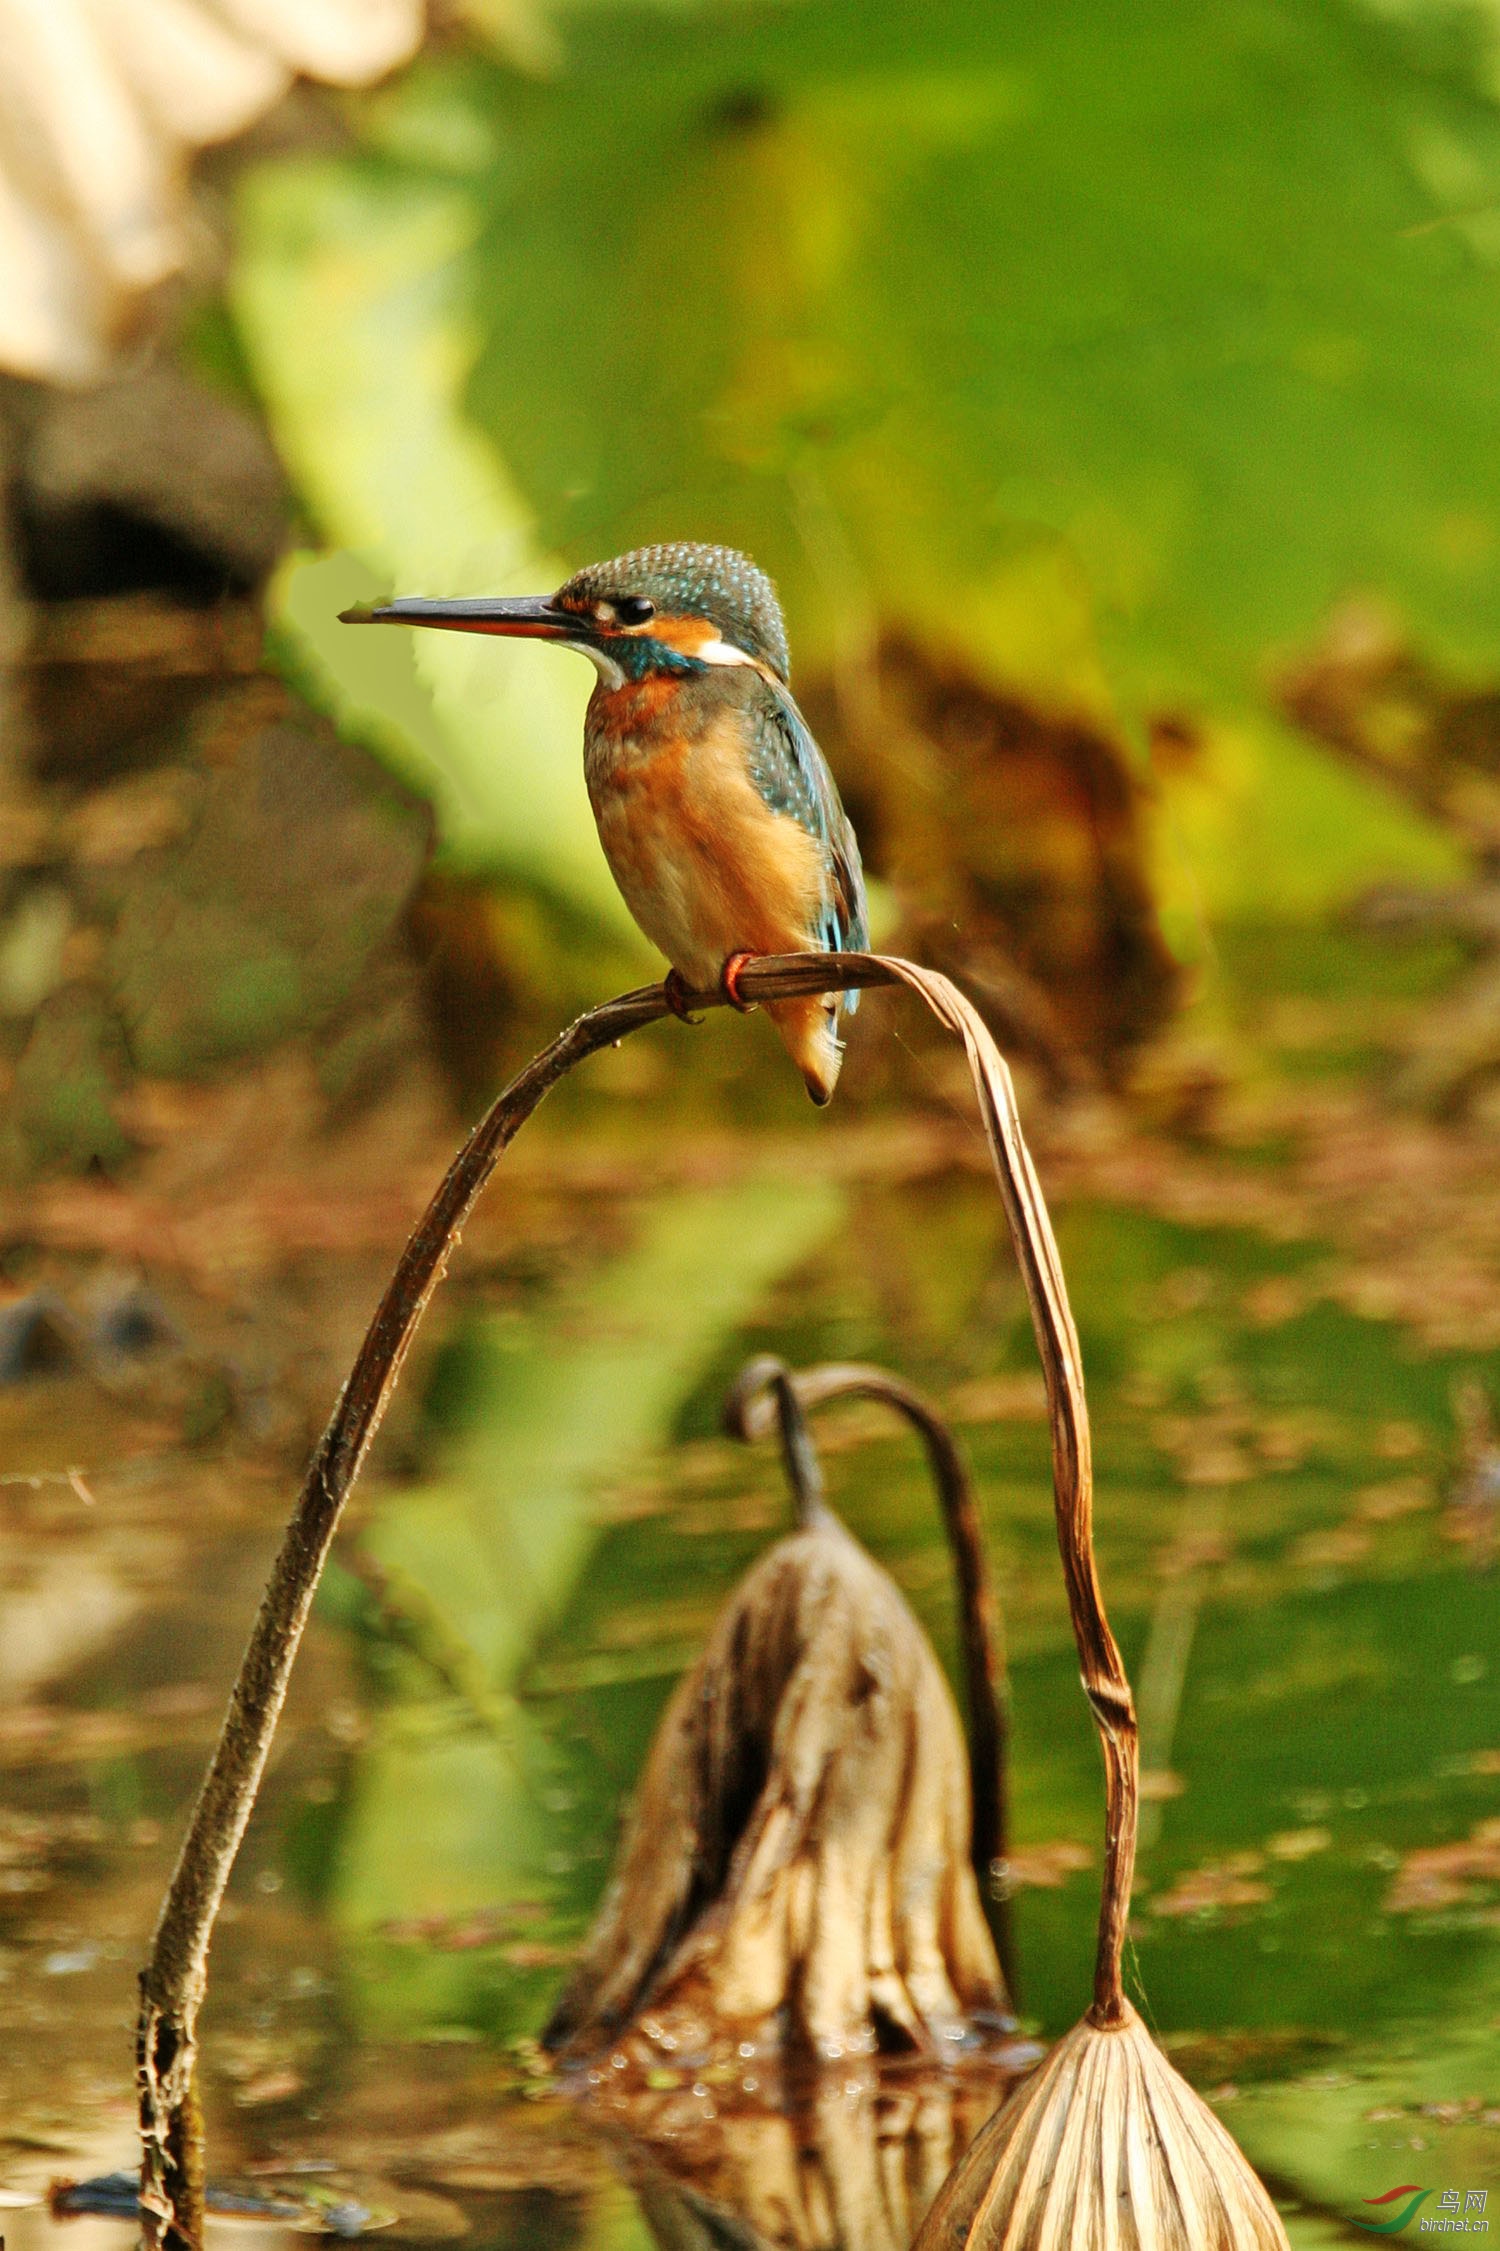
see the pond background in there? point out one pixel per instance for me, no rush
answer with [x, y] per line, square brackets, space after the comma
[1112, 393]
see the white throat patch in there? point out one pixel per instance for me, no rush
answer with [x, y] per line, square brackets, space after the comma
[609, 672]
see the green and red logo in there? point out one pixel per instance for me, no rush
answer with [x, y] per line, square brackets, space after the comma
[1398, 2220]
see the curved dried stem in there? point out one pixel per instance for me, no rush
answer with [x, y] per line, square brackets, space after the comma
[175, 1977]
[176, 1974]
[1104, 1677]
[766, 1391]
[981, 1633]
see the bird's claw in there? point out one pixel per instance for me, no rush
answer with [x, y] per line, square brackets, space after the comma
[729, 982]
[678, 998]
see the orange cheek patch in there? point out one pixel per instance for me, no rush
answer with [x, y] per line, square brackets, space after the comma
[687, 635]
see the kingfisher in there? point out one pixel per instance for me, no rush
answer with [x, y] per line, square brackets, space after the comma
[719, 818]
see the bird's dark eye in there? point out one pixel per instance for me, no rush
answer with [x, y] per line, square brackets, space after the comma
[634, 609]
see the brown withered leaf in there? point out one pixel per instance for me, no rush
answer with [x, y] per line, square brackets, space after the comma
[1462, 1874]
[1219, 1885]
[1472, 1518]
[796, 1865]
[1103, 2148]
[1046, 1867]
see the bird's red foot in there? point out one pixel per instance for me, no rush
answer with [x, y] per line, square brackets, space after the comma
[729, 982]
[678, 998]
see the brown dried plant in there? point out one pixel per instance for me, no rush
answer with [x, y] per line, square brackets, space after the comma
[1104, 2145]
[175, 1977]
[796, 1871]
[754, 1403]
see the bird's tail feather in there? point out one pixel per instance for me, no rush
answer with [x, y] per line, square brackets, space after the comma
[809, 1031]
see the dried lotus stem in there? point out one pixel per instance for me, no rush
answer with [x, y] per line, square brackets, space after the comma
[1104, 1678]
[1104, 2146]
[175, 1977]
[765, 1390]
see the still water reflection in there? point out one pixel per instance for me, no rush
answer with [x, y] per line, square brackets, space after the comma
[1316, 1928]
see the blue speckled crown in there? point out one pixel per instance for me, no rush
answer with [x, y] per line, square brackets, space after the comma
[686, 580]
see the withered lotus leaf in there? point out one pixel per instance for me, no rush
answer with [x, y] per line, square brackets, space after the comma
[1104, 2148]
[795, 1870]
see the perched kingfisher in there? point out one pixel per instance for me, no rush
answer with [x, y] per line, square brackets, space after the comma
[718, 816]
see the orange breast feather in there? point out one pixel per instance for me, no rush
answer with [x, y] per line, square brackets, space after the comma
[705, 866]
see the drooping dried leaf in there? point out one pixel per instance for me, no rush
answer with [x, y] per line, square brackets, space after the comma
[1105, 2145]
[796, 1866]
[1104, 2148]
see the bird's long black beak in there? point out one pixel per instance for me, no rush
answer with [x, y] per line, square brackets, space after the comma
[531, 617]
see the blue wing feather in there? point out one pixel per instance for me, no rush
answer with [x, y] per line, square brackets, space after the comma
[792, 776]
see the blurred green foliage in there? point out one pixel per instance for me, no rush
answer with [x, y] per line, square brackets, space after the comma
[1104, 348]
